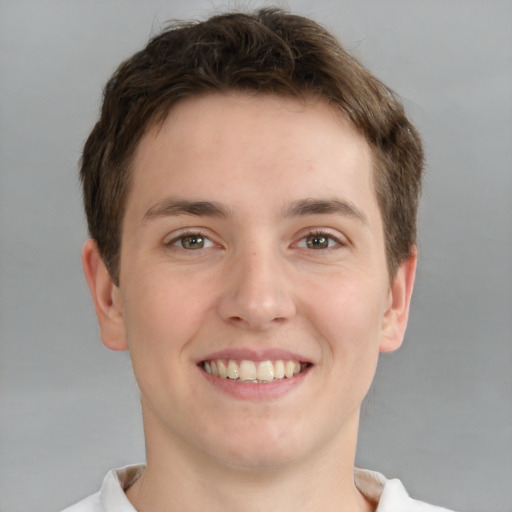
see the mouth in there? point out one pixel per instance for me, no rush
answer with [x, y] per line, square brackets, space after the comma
[254, 372]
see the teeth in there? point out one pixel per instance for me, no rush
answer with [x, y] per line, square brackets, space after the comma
[233, 371]
[250, 371]
[289, 368]
[266, 371]
[223, 371]
[279, 369]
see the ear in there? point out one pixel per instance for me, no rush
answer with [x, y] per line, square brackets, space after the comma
[106, 297]
[398, 304]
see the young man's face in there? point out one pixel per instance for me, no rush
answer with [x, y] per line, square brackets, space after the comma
[252, 240]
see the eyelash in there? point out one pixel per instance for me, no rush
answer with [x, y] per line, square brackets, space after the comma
[312, 234]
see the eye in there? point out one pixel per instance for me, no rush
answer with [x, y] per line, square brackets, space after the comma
[319, 240]
[191, 241]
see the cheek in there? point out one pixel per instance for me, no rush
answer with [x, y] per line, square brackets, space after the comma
[163, 314]
[348, 315]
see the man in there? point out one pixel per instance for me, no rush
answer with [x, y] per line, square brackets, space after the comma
[251, 192]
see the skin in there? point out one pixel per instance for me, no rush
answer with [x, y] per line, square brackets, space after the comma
[257, 284]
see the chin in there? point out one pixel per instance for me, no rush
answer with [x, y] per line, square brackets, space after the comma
[261, 450]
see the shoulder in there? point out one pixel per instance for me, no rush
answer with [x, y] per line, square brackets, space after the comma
[390, 494]
[111, 496]
[90, 504]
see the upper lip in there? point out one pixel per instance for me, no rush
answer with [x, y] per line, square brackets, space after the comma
[239, 354]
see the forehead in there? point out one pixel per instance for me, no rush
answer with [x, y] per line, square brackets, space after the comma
[206, 115]
[222, 143]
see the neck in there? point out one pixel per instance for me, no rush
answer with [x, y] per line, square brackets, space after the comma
[178, 477]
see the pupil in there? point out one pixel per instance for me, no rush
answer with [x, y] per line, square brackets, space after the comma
[193, 242]
[317, 242]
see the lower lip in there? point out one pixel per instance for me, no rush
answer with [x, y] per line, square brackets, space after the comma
[256, 392]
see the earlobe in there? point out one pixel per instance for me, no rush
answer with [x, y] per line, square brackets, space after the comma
[397, 312]
[106, 298]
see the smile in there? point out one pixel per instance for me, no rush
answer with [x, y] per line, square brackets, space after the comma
[253, 372]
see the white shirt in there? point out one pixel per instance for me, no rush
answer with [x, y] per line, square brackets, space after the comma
[390, 494]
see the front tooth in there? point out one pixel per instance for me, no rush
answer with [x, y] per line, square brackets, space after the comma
[279, 369]
[289, 368]
[233, 371]
[266, 371]
[248, 370]
[223, 371]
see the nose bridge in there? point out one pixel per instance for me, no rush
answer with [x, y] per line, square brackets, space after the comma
[256, 295]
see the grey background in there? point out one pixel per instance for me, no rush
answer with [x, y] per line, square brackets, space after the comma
[440, 412]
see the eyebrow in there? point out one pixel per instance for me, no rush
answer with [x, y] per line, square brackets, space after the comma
[171, 207]
[312, 206]
[300, 208]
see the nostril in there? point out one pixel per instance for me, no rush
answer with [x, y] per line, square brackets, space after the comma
[238, 321]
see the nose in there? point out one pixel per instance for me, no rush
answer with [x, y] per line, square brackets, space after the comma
[256, 294]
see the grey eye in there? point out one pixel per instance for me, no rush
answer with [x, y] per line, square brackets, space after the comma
[319, 242]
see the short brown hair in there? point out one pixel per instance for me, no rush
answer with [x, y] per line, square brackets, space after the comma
[268, 51]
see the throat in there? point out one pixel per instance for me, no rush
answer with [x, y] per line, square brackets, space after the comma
[234, 490]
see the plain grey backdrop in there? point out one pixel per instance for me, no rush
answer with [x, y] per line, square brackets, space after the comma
[439, 415]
